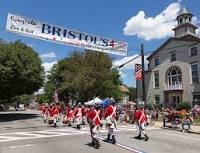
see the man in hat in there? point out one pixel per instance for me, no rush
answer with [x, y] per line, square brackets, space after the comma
[78, 115]
[54, 113]
[110, 116]
[68, 118]
[94, 119]
[141, 118]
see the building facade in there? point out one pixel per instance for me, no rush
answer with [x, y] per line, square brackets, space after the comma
[125, 96]
[174, 68]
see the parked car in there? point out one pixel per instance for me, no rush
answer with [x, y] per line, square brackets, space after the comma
[20, 107]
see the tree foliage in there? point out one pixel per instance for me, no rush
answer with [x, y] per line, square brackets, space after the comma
[132, 93]
[84, 75]
[20, 70]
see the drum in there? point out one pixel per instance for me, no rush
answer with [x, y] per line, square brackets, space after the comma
[50, 121]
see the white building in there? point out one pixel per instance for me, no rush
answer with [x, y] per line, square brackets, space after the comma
[174, 68]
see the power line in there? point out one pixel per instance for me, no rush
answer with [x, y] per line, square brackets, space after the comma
[120, 66]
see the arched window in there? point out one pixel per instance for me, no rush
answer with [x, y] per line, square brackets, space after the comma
[174, 76]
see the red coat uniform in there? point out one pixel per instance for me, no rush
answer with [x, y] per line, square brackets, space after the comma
[84, 111]
[94, 117]
[42, 109]
[54, 111]
[110, 111]
[78, 112]
[70, 114]
[140, 116]
[59, 109]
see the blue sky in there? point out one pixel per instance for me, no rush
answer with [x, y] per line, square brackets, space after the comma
[132, 21]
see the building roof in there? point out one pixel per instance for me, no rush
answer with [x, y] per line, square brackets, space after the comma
[186, 24]
[123, 88]
[183, 11]
[187, 37]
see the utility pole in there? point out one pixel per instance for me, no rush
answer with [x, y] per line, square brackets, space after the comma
[143, 77]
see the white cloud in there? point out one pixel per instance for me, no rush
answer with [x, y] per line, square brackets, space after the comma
[48, 56]
[196, 22]
[136, 60]
[129, 66]
[157, 27]
[122, 74]
[30, 45]
[47, 66]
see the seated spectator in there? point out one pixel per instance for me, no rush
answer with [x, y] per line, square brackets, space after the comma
[186, 123]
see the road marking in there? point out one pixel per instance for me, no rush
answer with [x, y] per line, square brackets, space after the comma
[125, 147]
[53, 133]
[19, 146]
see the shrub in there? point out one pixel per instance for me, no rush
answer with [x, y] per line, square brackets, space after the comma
[184, 105]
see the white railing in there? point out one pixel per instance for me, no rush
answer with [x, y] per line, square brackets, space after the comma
[173, 86]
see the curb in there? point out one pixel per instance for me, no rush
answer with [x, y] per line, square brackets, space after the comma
[178, 129]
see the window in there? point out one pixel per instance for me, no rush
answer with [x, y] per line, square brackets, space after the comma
[174, 76]
[196, 97]
[172, 56]
[181, 20]
[156, 61]
[193, 51]
[156, 79]
[195, 73]
[157, 99]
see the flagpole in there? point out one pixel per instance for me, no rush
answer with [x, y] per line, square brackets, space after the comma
[143, 77]
[136, 90]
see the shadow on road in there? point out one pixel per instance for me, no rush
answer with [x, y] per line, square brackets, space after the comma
[7, 117]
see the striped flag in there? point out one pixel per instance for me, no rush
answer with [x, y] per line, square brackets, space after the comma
[138, 71]
[55, 96]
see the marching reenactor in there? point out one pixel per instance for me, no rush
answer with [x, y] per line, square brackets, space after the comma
[141, 119]
[68, 118]
[84, 111]
[78, 115]
[45, 112]
[54, 114]
[94, 119]
[110, 116]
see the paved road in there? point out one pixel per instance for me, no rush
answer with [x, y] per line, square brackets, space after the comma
[44, 139]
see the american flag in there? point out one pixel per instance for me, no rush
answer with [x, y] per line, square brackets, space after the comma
[55, 96]
[138, 71]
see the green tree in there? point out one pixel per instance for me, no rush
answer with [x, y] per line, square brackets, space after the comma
[132, 93]
[20, 70]
[84, 75]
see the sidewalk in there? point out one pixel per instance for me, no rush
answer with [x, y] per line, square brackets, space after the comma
[194, 128]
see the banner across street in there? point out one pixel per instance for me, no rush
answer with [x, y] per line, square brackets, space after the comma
[45, 31]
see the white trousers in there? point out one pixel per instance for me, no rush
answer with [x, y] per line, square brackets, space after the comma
[141, 128]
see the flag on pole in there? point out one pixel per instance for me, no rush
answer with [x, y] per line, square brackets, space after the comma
[138, 71]
[55, 96]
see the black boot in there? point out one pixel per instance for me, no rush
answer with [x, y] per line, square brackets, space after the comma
[138, 137]
[108, 138]
[78, 126]
[93, 142]
[146, 137]
[96, 143]
[55, 125]
[113, 140]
